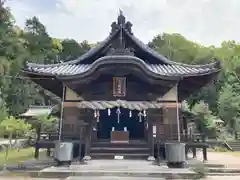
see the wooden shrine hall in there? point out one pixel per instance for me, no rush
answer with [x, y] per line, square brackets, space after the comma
[121, 97]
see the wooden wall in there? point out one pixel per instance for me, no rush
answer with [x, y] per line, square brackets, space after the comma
[167, 125]
[164, 119]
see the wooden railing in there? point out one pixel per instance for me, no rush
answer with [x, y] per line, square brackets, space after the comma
[53, 136]
[183, 137]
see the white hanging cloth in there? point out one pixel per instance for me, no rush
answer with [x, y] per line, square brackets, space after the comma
[130, 113]
[140, 114]
[109, 111]
[118, 115]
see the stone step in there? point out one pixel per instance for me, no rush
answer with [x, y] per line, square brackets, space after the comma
[112, 178]
[119, 150]
[125, 155]
[235, 146]
[120, 145]
[148, 173]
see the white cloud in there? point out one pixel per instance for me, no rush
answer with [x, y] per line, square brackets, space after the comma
[204, 21]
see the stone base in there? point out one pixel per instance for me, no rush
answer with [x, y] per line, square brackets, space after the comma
[125, 168]
[87, 158]
[151, 158]
[176, 165]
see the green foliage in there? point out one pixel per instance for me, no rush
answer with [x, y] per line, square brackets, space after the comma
[47, 123]
[229, 107]
[71, 49]
[17, 46]
[3, 110]
[219, 100]
[11, 125]
[205, 120]
[220, 149]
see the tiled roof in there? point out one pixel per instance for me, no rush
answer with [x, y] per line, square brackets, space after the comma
[165, 70]
[162, 65]
[65, 69]
[35, 111]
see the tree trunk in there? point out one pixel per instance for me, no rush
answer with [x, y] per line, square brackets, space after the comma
[9, 146]
[10, 140]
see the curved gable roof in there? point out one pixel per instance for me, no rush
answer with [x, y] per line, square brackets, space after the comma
[120, 30]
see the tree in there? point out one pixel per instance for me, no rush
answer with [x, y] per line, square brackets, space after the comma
[229, 108]
[39, 43]
[11, 126]
[46, 123]
[206, 122]
[71, 49]
[3, 110]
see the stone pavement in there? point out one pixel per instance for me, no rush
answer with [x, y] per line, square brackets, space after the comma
[114, 168]
[223, 178]
[219, 158]
[117, 168]
[114, 178]
[27, 178]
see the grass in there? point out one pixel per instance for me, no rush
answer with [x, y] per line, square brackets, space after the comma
[15, 157]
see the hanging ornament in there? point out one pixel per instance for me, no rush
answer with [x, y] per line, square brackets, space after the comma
[118, 114]
[98, 115]
[130, 113]
[140, 116]
[144, 113]
[95, 113]
[109, 111]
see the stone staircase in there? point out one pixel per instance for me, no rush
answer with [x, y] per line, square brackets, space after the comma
[133, 150]
[235, 145]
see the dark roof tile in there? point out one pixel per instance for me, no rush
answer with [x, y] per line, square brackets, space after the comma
[166, 70]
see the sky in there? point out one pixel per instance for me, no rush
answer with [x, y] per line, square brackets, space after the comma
[207, 22]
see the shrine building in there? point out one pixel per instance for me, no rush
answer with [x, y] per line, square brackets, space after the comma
[121, 97]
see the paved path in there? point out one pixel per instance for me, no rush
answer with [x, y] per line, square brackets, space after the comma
[121, 166]
[225, 159]
[27, 178]
[114, 178]
[223, 178]
[14, 141]
[213, 158]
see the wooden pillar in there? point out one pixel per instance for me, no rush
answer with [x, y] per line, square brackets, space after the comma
[186, 151]
[194, 151]
[88, 140]
[158, 138]
[150, 139]
[150, 132]
[80, 143]
[36, 153]
[48, 152]
[205, 154]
